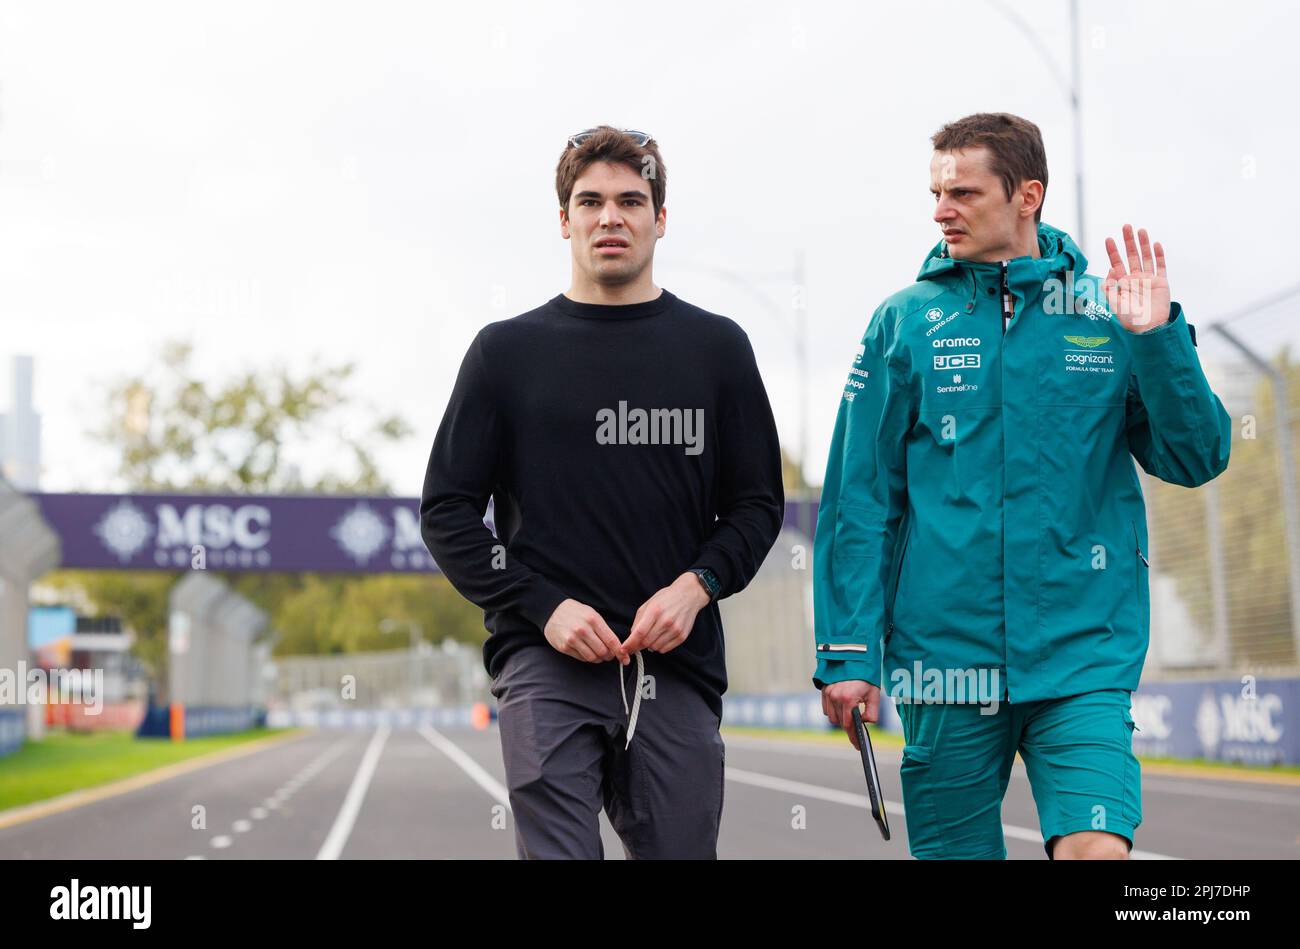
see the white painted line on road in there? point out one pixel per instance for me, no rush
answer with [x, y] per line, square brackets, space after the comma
[1222, 793]
[817, 792]
[338, 835]
[467, 764]
[74, 799]
[309, 771]
[195, 857]
[258, 813]
[1198, 785]
[814, 750]
[221, 842]
[241, 826]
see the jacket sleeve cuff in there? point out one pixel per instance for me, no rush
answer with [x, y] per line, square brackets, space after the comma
[1165, 353]
[1177, 323]
[834, 670]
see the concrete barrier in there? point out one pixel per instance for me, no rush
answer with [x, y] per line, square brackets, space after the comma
[28, 548]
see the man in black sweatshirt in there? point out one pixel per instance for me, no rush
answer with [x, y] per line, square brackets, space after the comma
[628, 443]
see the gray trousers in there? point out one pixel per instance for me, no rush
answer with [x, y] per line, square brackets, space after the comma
[563, 731]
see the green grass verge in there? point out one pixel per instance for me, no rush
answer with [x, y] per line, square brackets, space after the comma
[63, 762]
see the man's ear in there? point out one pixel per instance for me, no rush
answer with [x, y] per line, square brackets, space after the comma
[1031, 197]
[662, 223]
[564, 224]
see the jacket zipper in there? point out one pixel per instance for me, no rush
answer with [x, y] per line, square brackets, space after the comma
[1137, 544]
[898, 572]
[1137, 570]
[1008, 310]
[1008, 303]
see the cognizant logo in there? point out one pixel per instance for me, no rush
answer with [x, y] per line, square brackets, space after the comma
[1088, 359]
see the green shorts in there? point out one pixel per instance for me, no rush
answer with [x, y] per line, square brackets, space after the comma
[1077, 750]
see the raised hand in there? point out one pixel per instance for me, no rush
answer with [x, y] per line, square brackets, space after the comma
[1139, 297]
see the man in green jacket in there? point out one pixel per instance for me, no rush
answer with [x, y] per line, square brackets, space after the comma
[981, 538]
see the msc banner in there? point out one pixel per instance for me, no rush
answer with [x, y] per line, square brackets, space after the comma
[238, 532]
[254, 532]
[1247, 720]
[1253, 721]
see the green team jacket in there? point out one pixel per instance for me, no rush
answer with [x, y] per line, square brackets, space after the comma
[981, 514]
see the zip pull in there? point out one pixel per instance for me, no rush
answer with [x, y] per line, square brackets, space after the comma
[1137, 544]
[1008, 302]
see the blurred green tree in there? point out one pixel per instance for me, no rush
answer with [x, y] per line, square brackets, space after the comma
[174, 431]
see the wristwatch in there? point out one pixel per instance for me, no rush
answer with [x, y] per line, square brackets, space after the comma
[710, 580]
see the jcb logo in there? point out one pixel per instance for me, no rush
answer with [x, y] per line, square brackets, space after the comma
[957, 361]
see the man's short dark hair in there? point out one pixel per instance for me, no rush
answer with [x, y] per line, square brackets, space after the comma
[610, 145]
[1015, 147]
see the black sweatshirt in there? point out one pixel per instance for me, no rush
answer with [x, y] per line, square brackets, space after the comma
[598, 497]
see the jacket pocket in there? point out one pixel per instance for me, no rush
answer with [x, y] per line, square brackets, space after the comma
[916, 755]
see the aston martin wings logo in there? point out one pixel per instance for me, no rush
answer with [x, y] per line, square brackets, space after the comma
[1087, 342]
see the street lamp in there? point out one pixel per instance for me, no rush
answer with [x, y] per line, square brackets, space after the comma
[797, 326]
[417, 636]
[1071, 87]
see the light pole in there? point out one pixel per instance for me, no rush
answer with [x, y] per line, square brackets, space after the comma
[796, 325]
[417, 635]
[1072, 88]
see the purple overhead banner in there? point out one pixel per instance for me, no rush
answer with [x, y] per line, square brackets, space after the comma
[238, 532]
[254, 532]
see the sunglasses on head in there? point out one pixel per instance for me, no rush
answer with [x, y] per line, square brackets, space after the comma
[641, 138]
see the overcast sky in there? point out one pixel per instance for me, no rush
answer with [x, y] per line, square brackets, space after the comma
[375, 182]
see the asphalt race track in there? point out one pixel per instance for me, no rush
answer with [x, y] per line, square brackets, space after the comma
[426, 793]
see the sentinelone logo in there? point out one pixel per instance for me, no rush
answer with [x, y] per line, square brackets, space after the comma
[948, 362]
[102, 902]
[651, 427]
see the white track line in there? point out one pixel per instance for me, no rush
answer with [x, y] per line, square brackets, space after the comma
[466, 764]
[849, 799]
[338, 835]
[1256, 793]
[1188, 785]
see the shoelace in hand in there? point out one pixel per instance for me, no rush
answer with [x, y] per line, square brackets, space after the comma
[636, 698]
